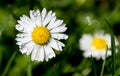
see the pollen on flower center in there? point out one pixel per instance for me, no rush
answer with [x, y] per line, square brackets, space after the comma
[40, 35]
[99, 43]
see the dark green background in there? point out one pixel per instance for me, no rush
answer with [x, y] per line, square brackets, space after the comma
[70, 61]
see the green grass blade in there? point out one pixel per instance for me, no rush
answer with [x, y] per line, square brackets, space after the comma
[112, 47]
[103, 65]
[9, 63]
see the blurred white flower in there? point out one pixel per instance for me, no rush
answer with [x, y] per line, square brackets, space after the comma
[40, 34]
[96, 45]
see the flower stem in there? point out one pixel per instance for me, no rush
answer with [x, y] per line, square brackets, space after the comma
[112, 47]
[9, 63]
[94, 67]
[103, 65]
[29, 68]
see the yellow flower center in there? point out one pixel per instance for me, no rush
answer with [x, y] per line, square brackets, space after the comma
[99, 43]
[40, 35]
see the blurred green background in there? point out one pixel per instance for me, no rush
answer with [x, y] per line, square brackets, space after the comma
[75, 14]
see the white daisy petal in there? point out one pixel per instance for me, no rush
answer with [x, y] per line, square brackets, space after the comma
[56, 24]
[24, 27]
[21, 35]
[28, 21]
[44, 11]
[36, 48]
[39, 34]
[24, 47]
[47, 18]
[55, 44]
[24, 24]
[34, 14]
[23, 50]
[59, 36]
[24, 39]
[36, 17]
[49, 53]
[61, 28]
[19, 27]
[60, 44]
[29, 50]
[30, 44]
[19, 43]
[30, 47]
[50, 25]
[40, 54]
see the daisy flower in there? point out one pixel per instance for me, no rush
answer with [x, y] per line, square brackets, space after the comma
[40, 34]
[96, 45]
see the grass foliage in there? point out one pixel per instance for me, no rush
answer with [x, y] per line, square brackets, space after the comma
[80, 17]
